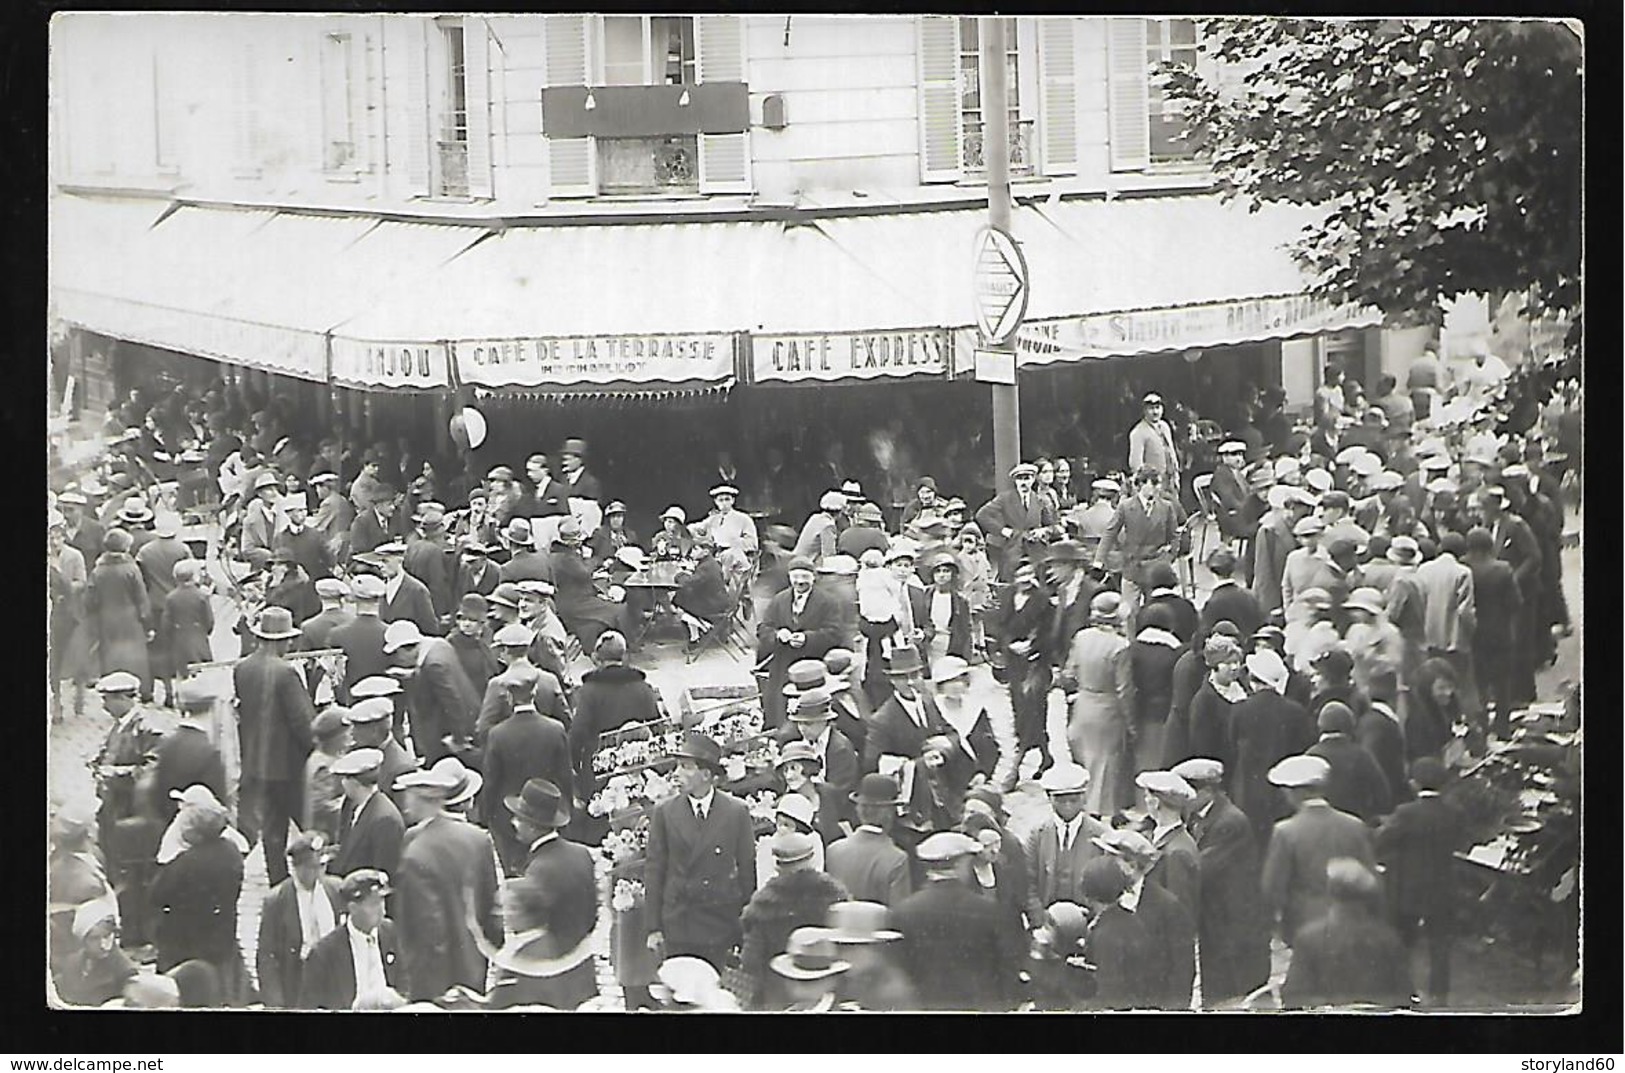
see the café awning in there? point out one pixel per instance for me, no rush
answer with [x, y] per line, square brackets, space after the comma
[257, 288]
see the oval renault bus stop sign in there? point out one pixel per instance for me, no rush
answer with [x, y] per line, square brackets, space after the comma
[1000, 285]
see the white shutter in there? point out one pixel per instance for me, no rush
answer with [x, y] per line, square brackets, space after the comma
[364, 119]
[246, 138]
[1058, 98]
[720, 44]
[939, 98]
[571, 162]
[417, 108]
[1128, 94]
[477, 54]
[724, 158]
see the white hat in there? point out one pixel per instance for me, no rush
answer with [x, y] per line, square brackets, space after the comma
[946, 846]
[902, 548]
[1348, 454]
[947, 669]
[1286, 467]
[1199, 769]
[358, 761]
[839, 565]
[1065, 778]
[632, 556]
[400, 634]
[1319, 480]
[91, 913]
[1297, 772]
[1230, 447]
[832, 501]
[1404, 549]
[1269, 668]
[675, 513]
[1366, 464]
[197, 795]
[440, 777]
[796, 806]
[370, 710]
[376, 685]
[1166, 784]
[1435, 462]
[1365, 598]
[1442, 485]
[166, 525]
[514, 635]
[690, 980]
[1386, 480]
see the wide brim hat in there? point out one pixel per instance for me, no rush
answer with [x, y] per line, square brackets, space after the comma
[540, 802]
[904, 659]
[570, 532]
[274, 624]
[135, 512]
[1023, 469]
[266, 480]
[1066, 551]
[859, 924]
[518, 532]
[813, 961]
[940, 559]
[798, 752]
[947, 669]
[700, 749]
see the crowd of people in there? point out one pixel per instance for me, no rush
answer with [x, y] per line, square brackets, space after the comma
[1270, 762]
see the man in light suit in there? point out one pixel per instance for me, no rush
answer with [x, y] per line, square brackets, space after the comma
[371, 830]
[701, 863]
[1144, 530]
[1151, 445]
[1450, 616]
[440, 699]
[1302, 845]
[1018, 522]
[867, 862]
[448, 877]
[297, 914]
[1059, 848]
[359, 965]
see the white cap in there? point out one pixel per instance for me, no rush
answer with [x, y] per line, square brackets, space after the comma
[400, 634]
[1297, 772]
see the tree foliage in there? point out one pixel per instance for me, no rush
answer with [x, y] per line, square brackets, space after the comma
[1445, 153]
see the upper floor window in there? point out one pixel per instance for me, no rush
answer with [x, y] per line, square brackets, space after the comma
[164, 119]
[1167, 41]
[970, 98]
[340, 133]
[649, 50]
[451, 158]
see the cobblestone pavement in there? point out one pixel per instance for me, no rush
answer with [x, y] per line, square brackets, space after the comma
[76, 741]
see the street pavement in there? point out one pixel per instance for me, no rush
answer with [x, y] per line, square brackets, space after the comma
[75, 742]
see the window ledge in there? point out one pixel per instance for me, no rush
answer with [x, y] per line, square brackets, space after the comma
[625, 198]
[350, 177]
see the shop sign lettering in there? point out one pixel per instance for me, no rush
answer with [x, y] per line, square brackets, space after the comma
[862, 355]
[594, 360]
[389, 365]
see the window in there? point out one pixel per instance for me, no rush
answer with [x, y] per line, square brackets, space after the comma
[451, 159]
[970, 98]
[649, 165]
[1167, 41]
[649, 50]
[339, 127]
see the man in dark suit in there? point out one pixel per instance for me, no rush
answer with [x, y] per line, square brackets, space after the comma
[1356, 784]
[527, 745]
[901, 725]
[274, 714]
[186, 756]
[359, 965]
[317, 631]
[1063, 843]
[1265, 728]
[545, 497]
[577, 483]
[1495, 637]
[1021, 622]
[1234, 944]
[1074, 589]
[362, 638]
[701, 865]
[296, 914]
[558, 895]
[867, 862]
[959, 949]
[1294, 879]
[1229, 601]
[439, 697]
[799, 623]
[447, 878]
[371, 831]
[1144, 530]
[1237, 508]
[406, 599]
[1170, 968]
[1018, 522]
[428, 559]
[1417, 846]
[525, 563]
[1347, 955]
[372, 524]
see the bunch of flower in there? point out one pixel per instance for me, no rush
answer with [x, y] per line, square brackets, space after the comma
[631, 844]
[736, 724]
[628, 894]
[763, 805]
[630, 754]
[761, 753]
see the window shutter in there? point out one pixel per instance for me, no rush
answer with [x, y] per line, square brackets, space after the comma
[417, 108]
[365, 118]
[724, 158]
[720, 42]
[940, 148]
[1129, 94]
[245, 114]
[477, 74]
[571, 162]
[1058, 101]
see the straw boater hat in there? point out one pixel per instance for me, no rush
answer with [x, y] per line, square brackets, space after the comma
[860, 923]
[809, 954]
[723, 490]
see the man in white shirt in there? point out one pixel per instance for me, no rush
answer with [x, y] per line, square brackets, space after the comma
[358, 966]
[1061, 845]
[298, 913]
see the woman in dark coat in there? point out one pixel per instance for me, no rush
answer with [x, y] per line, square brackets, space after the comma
[798, 897]
[703, 591]
[186, 620]
[1435, 706]
[194, 897]
[610, 696]
[1208, 732]
[1153, 655]
[583, 612]
[119, 611]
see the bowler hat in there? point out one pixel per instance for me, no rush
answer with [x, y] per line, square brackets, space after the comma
[574, 447]
[701, 749]
[1066, 551]
[877, 789]
[540, 802]
[473, 606]
[362, 883]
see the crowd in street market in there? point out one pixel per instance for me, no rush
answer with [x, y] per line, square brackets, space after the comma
[453, 771]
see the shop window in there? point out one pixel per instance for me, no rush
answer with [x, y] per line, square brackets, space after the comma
[451, 157]
[649, 165]
[649, 50]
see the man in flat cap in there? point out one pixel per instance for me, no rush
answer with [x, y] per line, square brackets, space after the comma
[324, 797]
[1018, 522]
[1170, 968]
[406, 599]
[362, 638]
[1144, 531]
[799, 623]
[274, 714]
[733, 530]
[297, 913]
[1063, 843]
[1151, 445]
[371, 830]
[1302, 845]
[817, 541]
[701, 864]
[429, 558]
[316, 632]
[448, 876]
[1164, 797]
[959, 949]
[360, 965]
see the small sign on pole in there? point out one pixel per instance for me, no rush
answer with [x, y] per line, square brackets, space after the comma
[995, 366]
